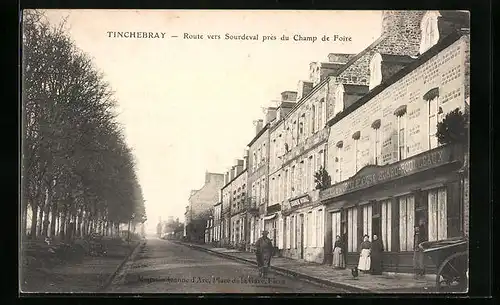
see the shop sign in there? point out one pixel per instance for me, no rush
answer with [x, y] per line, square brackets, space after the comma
[421, 162]
[299, 201]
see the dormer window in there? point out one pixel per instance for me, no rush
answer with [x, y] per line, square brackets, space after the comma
[339, 100]
[429, 30]
[375, 71]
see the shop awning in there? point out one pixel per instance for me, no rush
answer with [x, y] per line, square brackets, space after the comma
[269, 217]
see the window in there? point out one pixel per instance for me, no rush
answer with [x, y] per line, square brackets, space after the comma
[280, 188]
[292, 181]
[309, 229]
[338, 165]
[352, 229]
[303, 177]
[367, 219]
[437, 214]
[286, 233]
[321, 114]
[336, 222]
[310, 169]
[386, 224]
[281, 233]
[402, 137]
[375, 71]
[313, 119]
[286, 184]
[429, 30]
[406, 222]
[339, 100]
[314, 225]
[319, 228]
[377, 151]
[433, 121]
[264, 152]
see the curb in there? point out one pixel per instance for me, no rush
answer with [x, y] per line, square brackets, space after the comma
[110, 279]
[285, 272]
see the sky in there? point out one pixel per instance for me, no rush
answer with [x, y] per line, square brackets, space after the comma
[188, 105]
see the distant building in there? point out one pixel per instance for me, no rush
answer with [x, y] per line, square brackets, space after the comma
[200, 207]
[234, 201]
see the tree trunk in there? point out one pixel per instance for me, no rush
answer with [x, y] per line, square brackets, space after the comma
[34, 213]
[53, 220]
[24, 218]
[62, 222]
[39, 230]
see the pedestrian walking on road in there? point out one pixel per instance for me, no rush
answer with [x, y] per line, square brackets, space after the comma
[377, 248]
[338, 254]
[364, 256]
[264, 252]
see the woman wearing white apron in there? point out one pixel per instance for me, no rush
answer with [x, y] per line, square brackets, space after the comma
[364, 256]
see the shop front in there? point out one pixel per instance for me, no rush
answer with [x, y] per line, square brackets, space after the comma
[390, 201]
[302, 228]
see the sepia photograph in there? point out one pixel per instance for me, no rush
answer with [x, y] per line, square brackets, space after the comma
[244, 151]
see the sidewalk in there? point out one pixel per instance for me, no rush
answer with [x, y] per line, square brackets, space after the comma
[90, 275]
[325, 275]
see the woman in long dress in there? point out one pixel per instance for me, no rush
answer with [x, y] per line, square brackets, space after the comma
[364, 256]
[377, 248]
[338, 254]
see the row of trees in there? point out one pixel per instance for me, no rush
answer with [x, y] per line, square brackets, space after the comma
[78, 174]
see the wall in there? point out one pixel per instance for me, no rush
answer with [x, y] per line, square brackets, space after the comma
[445, 70]
[203, 200]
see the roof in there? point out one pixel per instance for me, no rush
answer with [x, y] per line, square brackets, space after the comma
[258, 134]
[399, 59]
[444, 43]
[356, 89]
[231, 181]
[287, 104]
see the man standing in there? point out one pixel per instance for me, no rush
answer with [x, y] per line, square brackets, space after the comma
[418, 255]
[264, 252]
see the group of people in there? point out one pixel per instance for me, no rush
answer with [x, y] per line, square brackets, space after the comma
[370, 258]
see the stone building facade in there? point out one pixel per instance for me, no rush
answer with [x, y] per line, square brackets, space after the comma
[389, 172]
[234, 201]
[370, 119]
[258, 165]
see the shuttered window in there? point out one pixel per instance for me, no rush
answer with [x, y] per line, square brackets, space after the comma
[437, 214]
[386, 224]
[352, 229]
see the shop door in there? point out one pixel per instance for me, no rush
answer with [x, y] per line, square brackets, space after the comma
[301, 232]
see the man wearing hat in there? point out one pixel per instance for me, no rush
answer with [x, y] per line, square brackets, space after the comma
[264, 252]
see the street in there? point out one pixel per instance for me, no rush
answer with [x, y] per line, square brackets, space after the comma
[166, 267]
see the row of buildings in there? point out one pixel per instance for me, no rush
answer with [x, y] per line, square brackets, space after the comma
[370, 120]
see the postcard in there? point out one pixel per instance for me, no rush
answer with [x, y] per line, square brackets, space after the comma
[245, 151]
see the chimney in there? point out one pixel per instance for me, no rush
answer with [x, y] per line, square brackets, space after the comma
[258, 125]
[232, 171]
[245, 158]
[288, 96]
[304, 88]
[239, 166]
[207, 177]
[270, 114]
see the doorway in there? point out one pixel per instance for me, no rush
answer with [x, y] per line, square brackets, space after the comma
[301, 226]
